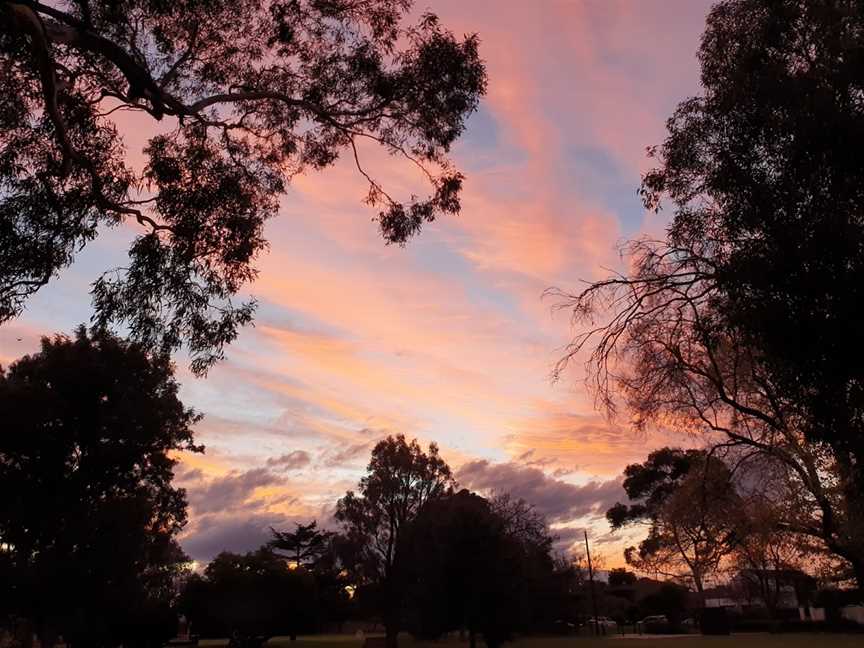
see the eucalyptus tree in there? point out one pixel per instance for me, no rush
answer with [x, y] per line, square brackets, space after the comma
[400, 481]
[742, 322]
[89, 518]
[690, 505]
[241, 97]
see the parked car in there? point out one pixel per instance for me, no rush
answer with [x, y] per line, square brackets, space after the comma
[604, 625]
[655, 624]
[564, 627]
[655, 618]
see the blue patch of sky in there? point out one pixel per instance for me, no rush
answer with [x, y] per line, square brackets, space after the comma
[286, 318]
[597, 176]
[481, 131]
[65, 302]
[433, 255]
[482, 148]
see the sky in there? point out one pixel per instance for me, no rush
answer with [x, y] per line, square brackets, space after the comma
[447, 339]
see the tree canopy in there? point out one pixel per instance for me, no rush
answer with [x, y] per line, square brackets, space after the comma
[305, 546]
[88, 517]
[621, 577]
[689, 502]
[400, 481]
[469, 572]
[741, 322]
[249, 596]
[247, 95]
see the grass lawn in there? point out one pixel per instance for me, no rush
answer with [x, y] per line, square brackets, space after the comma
[754, 640]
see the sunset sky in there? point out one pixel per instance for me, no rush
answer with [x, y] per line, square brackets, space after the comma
[447, 339]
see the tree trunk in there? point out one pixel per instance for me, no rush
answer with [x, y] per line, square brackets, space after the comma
[772, 597]
[472, 638]
[700, 590]
[858, 570]
[391, 632]
[24, 633]
[47, 637]
[392, 609]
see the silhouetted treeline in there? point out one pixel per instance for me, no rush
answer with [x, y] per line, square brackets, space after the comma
[255, 594]
[450, 561]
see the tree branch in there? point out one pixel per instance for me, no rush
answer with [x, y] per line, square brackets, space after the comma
[27, 21]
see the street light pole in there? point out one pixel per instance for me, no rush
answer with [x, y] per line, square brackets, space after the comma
[593, 593]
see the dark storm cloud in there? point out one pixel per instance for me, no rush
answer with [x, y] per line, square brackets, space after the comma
[567, 535]
[224, 493]
[186, 474]
[214, 534]
[348, 454]
[529, 459]
[609, 538]
[559, 501]
[291, 461]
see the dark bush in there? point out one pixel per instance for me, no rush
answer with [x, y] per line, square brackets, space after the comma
[657, 628]
[755, 625]
[715, 621]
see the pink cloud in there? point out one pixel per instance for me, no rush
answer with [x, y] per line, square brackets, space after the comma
[448, 338]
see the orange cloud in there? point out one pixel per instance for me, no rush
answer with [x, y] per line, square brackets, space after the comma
[446, 339]
[587, 444]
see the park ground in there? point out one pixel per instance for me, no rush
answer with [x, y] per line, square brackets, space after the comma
[744, 640]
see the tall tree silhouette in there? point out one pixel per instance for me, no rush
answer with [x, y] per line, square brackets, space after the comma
[743, 320]
[469, 572]
[248, 96]
[400, 480]
[88, 517]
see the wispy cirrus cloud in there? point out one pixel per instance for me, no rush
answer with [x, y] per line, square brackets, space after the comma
[290, 461]
[446, 339]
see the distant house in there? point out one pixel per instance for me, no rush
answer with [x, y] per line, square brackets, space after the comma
[601, 575]
[721, 596]
[776, 589]
[636, 591]
[722, 602]
[750, 590]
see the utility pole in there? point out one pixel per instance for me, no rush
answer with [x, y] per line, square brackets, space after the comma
[593, 593]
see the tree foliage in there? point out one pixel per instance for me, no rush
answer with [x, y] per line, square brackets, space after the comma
[400, 481]
[88, 517]
[689, 502]
[306, 546]
[740, 322]
[767, 557]
[319, 553]
[248, 95]
[469, 572]
[621, 577]
[522, 522]
[248, 596]
[544, 583]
